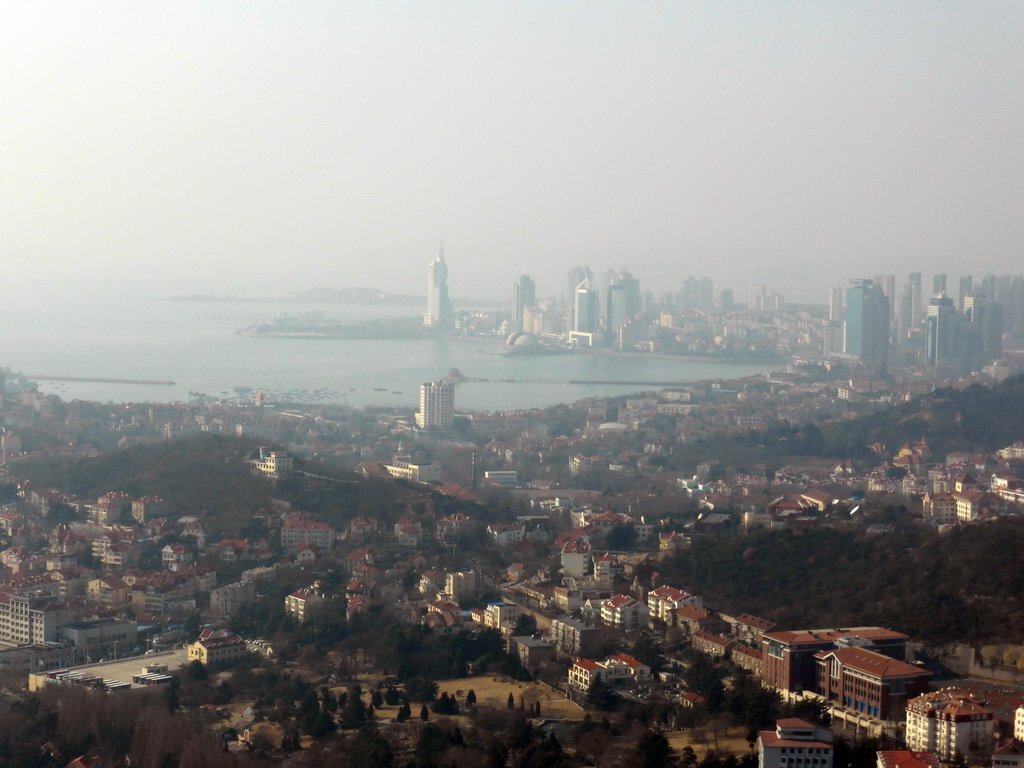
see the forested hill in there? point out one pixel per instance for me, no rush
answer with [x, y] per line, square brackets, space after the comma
[195, 474]
[978, 417]
[964, 585]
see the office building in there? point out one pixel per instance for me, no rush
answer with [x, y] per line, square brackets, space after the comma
[866, 329]
[942, 331]
[437, 405]
[439, 312]
[983, 331]
[966, 287]
[524, 295]
[914, 283]
[939, 283]
[835, 304]
[587, 304]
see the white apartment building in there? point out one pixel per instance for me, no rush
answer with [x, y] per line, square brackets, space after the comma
[946, 722]
[437, 405]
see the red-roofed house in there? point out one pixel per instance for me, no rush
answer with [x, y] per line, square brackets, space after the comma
[902, 758]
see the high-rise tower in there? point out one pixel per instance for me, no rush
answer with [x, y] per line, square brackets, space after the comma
[524, 294]
[587, 304]
[437, 405]
[866, 331]
[941, 330]
[439, 311]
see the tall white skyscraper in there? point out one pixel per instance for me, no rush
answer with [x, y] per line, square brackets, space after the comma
[439, 311]
[437, 405]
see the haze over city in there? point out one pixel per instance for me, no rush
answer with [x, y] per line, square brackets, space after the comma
[266, 147]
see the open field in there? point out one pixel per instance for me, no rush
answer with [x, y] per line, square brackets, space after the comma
[493, 691]
[703, 740]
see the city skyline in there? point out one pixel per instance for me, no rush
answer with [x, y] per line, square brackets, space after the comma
[255, 148]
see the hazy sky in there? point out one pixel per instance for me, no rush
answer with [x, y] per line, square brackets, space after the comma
[283, 145]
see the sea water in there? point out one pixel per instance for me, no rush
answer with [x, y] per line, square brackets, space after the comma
[119, 332]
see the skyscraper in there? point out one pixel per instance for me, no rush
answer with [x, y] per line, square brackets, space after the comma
[437, 405]
[866, 331]
[835, 304]
[938, 283]
[439, 310]
[524, 294]
[576, 276]
[966, 287]
[941, 330]
[983, 331]
[916, 309]
[587, 301]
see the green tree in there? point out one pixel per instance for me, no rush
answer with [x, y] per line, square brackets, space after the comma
[654, 751]
[424, 713]
[370, 750]
[353, 714]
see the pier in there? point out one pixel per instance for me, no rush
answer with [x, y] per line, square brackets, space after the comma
[90, 380]
[611, 382]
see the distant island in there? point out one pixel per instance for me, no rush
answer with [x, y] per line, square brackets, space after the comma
[313, 325]
[350, 295]
[325, 295]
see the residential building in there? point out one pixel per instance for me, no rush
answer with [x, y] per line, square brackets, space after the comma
[616, 671]
[298, 532]
[663, 602]
[623, 612]
[947, 722]
[301, 603]
[1008, 753]
[402, 468]
[274, 464]
[231, 598]
[572, 637]
[437, 405]
[148, 507]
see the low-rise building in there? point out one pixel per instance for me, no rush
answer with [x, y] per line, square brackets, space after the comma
[795, 743]
[218, 649]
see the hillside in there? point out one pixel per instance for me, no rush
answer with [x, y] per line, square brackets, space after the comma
[194, 475]
[977, 418]
[964, 585]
